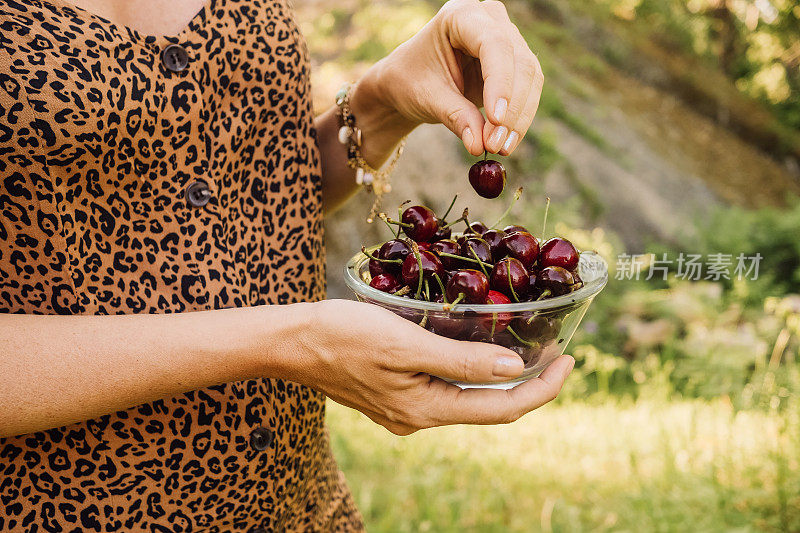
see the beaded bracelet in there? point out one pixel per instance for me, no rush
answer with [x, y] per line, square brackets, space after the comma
[374, 180]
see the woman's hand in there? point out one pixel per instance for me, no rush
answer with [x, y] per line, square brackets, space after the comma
[470, 55]
[368, 358]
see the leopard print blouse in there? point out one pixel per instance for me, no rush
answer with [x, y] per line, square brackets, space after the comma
[164, 175]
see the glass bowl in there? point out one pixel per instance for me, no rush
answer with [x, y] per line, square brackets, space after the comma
[538, 331]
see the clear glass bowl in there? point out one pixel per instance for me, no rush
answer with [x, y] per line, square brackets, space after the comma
[537, 331]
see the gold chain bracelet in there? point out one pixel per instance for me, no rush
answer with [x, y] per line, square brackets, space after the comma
[372, 179]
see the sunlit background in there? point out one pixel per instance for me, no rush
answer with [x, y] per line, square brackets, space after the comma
[666, 127]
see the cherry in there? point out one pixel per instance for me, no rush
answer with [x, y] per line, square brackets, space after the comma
[488, 178]
[446, 246]
[537, 328]
[442, 233]
[430, 266]
[424, 246]
[558, 252]
[494, 237]
[515, 228]
[478, 228]
[475, 247]
[394, 249]
[510, 274]
[419, 223]
[523, 246]
[445, 324]
[533, 289]
[385, 283]
[554, 281]
[376, 268]
[498, 321]
[469, 286]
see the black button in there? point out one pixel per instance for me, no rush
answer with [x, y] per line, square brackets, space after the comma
[197, 193]
[261, 439]
[175, 58]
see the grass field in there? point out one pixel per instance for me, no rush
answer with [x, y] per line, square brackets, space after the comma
[593, 466]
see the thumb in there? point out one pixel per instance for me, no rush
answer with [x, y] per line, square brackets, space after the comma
[461, 117]
[472, 362]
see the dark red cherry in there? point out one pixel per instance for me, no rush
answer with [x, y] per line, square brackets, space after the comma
[498, 321]
[423, 223]
[478, 228]
[522, 246]
[447, 246]
[424, 246]
[560, 253]
[488, 178]
[394, 249]
[430, 266]
[537, 328]
[514, 228]
[385, 283]
[519, 279]
[445, 324]
[474, 286]
[475, 247]
[533, 290]
[442, 233]
[555, 279]
[376, 268]
[494, 237]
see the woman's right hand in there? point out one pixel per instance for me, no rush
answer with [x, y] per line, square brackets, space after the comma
[368, 358]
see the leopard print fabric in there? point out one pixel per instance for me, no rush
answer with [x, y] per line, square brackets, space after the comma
[99, 140]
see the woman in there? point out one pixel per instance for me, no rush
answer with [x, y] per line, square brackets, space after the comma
[163, 158]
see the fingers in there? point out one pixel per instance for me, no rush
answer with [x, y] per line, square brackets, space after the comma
[512, 75]
[472, 362]
[462, 118]
[491, 406]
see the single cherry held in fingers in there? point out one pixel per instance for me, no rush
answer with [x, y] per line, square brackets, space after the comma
[468, 286]
[510, 277]
[488, 178]
[385, 283]
[554, 281]
[558, 252]
[522, 246]
[419, 223]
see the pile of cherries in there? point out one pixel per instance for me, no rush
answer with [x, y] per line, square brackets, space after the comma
[483, 265]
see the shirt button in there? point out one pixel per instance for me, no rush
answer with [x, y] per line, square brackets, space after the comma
[261, 439]
[175, 58]
[197, 193]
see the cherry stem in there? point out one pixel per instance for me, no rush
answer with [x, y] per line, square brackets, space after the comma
[401, 224]
[520, 339]
[485, 154]
[465, 218]
[441, 286]
[510, 285]
[418, 257]
[494, 324]
[577, 285]
[454, 256]
[457, 300]
[456, 221]
[517, 195]
[544, 294]
[402, 291]
[427, 292]
[383, 217]
[365, 252]
[480, 263]
[546, 209]
[444, 218]
[424, 320]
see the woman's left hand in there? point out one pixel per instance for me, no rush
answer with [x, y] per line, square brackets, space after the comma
[470, 55]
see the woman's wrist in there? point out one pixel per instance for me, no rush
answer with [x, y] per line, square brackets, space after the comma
[380, 122]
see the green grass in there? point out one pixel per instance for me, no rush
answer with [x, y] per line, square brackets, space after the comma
[580, 466]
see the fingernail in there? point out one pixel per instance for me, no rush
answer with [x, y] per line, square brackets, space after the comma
[497, 138]
[467, 138]
[500, 109]
[510, 142]
[507, 367]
